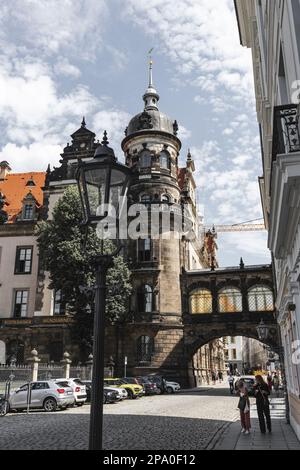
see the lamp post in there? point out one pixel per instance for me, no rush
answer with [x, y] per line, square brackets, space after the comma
[263, 332]
[101, 181]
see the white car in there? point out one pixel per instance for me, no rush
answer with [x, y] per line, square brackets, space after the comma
[45, 394]
[78, 387]
[172, 387]
[122, 393]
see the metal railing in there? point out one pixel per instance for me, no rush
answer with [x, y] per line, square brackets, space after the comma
[286, 131]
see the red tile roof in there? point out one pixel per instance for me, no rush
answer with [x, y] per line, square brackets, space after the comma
[15, 190]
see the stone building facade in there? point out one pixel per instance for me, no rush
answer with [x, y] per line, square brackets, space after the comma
[272, 30]
[154, 341]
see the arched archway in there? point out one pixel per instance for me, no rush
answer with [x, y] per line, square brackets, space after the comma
[205, 349]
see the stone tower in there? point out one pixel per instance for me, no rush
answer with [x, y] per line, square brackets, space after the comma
[154, 343]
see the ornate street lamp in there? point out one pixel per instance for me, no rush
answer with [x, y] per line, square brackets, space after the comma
[262, 331]
[102, 180]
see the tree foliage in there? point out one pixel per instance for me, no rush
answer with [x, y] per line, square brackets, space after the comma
[67, 250]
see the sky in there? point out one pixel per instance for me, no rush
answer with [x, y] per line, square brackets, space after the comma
[61, 60]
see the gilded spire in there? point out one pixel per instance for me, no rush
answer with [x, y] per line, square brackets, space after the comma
[150, 69]
[151, 96]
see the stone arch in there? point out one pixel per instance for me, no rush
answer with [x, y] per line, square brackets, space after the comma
[196, 339]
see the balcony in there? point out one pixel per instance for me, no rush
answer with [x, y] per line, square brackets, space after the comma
[285, 181]
[286, 131]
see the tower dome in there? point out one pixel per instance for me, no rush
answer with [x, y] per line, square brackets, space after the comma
[151, 119]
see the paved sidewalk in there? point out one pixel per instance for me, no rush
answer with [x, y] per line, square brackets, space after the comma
[281, 438]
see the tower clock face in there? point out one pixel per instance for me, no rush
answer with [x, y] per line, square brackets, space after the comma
[82, 145]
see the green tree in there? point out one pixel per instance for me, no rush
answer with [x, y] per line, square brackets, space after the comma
[67, 250]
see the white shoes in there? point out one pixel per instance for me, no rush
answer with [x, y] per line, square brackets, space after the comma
[243, 431]
[247, 432]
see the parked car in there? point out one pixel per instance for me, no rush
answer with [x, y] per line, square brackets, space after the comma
[122, 393]
[110, 395]
[78, 387]
[164, 385]
[44, 394]
[172, 387]
[133, 390]
[149, 387]
[249, 381]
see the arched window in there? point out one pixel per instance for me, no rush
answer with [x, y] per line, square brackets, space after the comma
[200, 302]
[145, 299]
[230, 300]
[260, 299]
[164, 159]
[165, 198]
[145, 159]
[145, 348]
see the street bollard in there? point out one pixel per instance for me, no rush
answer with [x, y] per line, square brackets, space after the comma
[67, 364]
[89, 364]
[34, 360]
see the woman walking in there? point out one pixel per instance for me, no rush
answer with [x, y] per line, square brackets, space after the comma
[244, 407]
[262, 392]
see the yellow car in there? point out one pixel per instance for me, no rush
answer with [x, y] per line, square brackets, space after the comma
[133, 390]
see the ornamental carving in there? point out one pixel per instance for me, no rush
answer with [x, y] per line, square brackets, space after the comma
[145, 121]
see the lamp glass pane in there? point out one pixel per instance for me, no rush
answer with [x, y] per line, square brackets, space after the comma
[96, 181]
[117, 182]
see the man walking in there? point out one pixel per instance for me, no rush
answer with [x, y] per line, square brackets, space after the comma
[231, 383]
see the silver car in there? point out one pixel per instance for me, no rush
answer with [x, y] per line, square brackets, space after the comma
[42, 394]
[78, 388]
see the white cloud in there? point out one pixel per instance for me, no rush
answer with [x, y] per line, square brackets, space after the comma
[184, 133]
[54, 25]
[249, 245]
[34, 157]
[200, 37]
[64, 67]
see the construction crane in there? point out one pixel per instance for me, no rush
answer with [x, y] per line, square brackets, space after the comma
[248, 226]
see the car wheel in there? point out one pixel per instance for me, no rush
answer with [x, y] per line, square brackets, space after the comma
[80, 404]
[130, 394]
[159, 391]
[170, 390]
[50, 404]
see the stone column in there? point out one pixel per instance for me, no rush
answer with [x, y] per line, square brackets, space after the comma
[89, 364]
[66, 363]
[34, 361]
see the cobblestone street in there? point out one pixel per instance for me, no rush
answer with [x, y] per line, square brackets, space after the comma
[185, 421]
[206, 418]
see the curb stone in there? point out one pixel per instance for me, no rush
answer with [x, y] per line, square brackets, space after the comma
[219, 434]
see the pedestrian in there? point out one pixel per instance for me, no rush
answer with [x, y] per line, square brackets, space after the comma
[270, 382]
[261, 393]
[276, 384]
[220, 376]
[213, 377]
[231, 383]
[244, 407]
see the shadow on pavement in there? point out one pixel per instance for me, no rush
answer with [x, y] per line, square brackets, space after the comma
[62, 431]
[210, 391]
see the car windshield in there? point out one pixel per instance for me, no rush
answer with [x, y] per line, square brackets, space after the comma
[78, 382]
